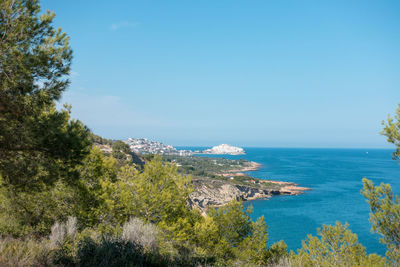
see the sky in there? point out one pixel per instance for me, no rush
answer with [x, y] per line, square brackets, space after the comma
[247, 73]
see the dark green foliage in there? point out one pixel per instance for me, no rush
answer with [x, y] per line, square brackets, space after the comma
[38, 144]
[234, 224]
[120, 150]
[34, 212]
[229, 237]
[148, 157]
[276, 253]
[112, 251]
[50, 151]
[109, 252]
[204, 166]
[96, 139]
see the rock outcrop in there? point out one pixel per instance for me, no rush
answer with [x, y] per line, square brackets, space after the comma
[225, 149]
[218, 193]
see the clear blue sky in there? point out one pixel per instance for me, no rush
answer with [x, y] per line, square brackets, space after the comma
[248, 73]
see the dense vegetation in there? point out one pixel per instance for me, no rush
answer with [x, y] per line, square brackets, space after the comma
[205, 166]
[204, 169]
[65, 203]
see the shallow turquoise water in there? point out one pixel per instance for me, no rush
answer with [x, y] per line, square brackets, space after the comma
[334, 175]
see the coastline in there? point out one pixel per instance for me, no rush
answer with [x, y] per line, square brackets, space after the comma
[218, 193]
[291, 187]
[253, 167]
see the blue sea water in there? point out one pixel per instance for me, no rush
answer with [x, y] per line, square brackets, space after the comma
[334, 175]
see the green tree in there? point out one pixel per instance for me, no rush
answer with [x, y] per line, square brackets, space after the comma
[384, 216]
[35, 212]
[230, 237]
[38, 144]
[384, 205]
[234, 223]
[156, 194]
[95, 171]
[336, 246]
[392, 132]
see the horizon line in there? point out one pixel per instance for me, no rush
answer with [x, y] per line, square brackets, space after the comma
[293, 147]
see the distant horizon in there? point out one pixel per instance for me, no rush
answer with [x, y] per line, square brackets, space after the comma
[370, 148]
[387, 147]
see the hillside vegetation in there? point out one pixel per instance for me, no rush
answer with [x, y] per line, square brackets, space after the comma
[64, 202]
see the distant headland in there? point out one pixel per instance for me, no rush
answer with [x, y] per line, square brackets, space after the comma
[224, 149]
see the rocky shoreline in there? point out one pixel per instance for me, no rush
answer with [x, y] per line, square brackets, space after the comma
[211, 192]
[217, 193]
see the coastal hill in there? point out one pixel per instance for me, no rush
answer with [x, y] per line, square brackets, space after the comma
[225, 149]
[144, 146]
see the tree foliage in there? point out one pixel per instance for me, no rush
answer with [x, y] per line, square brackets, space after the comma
[95, 171]
[336, 246]
[392, 132]
[155, 194]
[384, 216]
[230, 236]
[32, 211]
[38, 144]
[49, 171]
[384, 205]
[120, 150]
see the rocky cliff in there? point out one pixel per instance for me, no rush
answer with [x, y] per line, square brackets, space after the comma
[218, 193]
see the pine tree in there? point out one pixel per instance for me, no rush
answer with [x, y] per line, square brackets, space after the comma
[39, 145]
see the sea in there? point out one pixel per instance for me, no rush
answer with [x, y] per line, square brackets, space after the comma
[334, 176]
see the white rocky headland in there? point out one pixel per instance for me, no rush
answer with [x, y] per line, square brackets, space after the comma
[225, 149]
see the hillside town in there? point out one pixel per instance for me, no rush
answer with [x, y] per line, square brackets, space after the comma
[144, 146]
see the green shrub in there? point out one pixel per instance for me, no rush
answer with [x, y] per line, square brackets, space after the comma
[336, 246]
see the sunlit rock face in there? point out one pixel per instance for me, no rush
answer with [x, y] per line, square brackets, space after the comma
[225, 149]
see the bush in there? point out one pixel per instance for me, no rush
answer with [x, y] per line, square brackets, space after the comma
[61, 230]
[144, 234]
[109, 252]
[337, 246]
